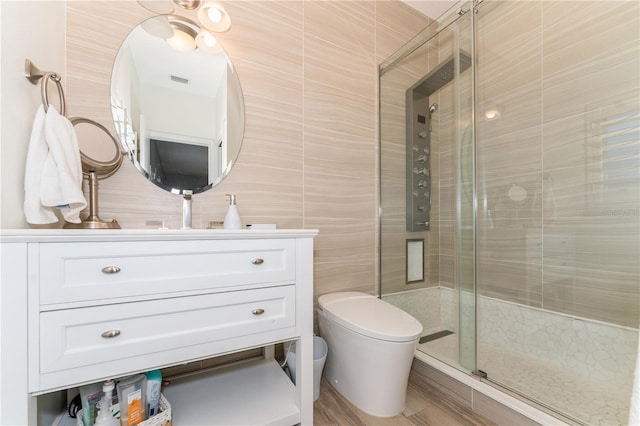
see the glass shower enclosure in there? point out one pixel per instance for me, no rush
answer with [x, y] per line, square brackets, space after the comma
[510, 197]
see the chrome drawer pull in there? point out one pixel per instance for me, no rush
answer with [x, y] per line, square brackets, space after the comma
[110, 270]
[111, 333]
[257, 311]
[257, 261]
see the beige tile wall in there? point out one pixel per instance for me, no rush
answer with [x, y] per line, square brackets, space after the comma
[573, 244]
[558, 72]
[308, 71]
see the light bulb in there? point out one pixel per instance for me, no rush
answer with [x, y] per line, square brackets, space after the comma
[214, 14]
[214, 17]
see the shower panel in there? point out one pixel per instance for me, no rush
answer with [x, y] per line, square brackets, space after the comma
[419, 114]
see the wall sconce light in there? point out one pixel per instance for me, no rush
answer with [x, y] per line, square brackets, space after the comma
[214, 17]
[183, 34]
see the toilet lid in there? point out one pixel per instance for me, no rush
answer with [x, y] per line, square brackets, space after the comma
[370, 316]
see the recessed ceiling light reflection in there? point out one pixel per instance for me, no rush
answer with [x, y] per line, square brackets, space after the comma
[492, 114]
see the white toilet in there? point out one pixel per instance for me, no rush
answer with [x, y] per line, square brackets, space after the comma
[371, 347]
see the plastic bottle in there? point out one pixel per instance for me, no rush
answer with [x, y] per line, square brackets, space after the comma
[132, 394]
[232, 218]
[154, 383]
[105, 418]
[90, 395]
[109, 389]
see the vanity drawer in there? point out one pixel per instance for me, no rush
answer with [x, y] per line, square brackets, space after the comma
[81, 337]
[76, 272]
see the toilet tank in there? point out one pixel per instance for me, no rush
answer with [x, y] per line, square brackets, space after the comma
[370, 316]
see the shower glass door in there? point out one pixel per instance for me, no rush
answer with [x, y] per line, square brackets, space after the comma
[521, 125]
[427, 186]
[558, 192]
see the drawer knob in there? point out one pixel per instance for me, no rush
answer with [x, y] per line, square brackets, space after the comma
[110, 270]
[110, 334]
[257, 261]
[257, 311]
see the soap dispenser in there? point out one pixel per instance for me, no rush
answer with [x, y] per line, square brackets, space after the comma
[232, 218]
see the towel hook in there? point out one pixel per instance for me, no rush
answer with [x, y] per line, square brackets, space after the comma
[33, 74]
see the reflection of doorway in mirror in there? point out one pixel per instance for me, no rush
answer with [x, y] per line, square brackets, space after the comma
[179, 165]
[179, 161]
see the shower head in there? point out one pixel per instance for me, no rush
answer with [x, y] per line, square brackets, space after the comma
[433, 108]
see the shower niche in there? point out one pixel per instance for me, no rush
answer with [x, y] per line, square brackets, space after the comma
[419, 112]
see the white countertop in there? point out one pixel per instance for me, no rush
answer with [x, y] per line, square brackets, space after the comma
[62, 235]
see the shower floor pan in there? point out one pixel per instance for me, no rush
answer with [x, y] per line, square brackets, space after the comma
[605, 404]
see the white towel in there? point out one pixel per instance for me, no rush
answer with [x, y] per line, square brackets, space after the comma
[56, 180]
[34, 211]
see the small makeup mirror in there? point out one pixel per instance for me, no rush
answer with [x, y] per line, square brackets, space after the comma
[101, 157]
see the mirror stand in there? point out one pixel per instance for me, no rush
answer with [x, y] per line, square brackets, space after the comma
[93, 134]
[93, 221]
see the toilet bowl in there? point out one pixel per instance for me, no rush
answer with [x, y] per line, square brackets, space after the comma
[371, 347]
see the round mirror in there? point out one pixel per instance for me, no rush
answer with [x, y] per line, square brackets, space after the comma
[179, 114]
[99, 150]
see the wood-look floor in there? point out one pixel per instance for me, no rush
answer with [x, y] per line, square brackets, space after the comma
[426, 405]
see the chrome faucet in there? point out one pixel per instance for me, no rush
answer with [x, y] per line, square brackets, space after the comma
[186, 208]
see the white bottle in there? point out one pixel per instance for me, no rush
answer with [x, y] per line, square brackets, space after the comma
[232, 218]
[109, 389]
[105, 418]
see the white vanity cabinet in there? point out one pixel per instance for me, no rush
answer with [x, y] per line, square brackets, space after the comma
[82, 306]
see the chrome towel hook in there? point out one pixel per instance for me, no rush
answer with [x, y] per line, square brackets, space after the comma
[33, 74]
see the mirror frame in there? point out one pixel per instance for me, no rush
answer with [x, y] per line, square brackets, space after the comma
[103, 169]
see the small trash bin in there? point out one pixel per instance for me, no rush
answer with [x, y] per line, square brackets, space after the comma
[320, 350]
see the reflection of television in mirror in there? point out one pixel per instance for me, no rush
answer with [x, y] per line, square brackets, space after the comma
[179, 165]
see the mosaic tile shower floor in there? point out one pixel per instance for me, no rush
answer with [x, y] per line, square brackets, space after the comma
[591, 403]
